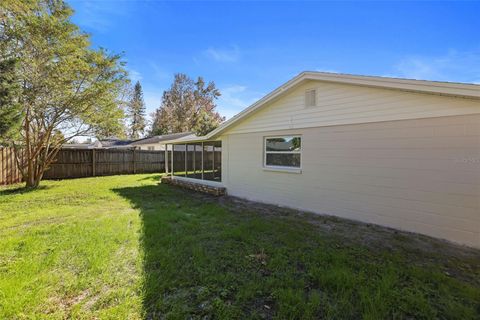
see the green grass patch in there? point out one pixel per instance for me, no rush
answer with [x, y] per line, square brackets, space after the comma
[124, 247]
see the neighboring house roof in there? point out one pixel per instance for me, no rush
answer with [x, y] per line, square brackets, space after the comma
[114, 143]
[163, 138]
[92, 145]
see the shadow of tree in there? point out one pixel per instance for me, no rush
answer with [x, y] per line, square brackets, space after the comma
[195, 255]
[21, 190]
[207, 259]
[154, 177]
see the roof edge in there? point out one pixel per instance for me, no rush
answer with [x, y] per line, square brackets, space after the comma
[456, 89]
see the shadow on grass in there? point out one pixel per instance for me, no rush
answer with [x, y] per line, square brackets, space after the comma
[21, 190]
[154, 177]
[194, 256]
[203, 259]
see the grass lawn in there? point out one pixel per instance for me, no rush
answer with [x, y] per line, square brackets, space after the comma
[124, 247]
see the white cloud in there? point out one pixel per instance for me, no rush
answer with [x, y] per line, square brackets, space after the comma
[223, 55]
[234, 99]
[453, 66]
[97, 15]
[134, 75]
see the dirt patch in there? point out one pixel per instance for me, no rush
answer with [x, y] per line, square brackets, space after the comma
[456, 260]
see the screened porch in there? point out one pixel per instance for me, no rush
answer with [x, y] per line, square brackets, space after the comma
[196, 160]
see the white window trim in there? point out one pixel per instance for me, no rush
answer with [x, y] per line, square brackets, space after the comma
[282, 168]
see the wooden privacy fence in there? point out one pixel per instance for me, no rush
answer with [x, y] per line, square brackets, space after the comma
[9, 172]
[78, 163]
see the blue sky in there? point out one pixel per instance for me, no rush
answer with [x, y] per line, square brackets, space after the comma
[250, 48]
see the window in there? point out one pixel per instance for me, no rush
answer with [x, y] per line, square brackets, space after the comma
[311, 98]
[151, 148]
[283, 152]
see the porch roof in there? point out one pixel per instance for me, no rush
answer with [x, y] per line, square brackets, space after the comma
[188, 139]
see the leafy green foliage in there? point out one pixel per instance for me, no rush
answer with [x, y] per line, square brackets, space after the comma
[136, 112]
[125, 247]
[10, 108]
[66, 86]
[187, 106]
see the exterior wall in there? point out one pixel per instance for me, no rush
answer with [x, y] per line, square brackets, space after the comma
[419, 175]
[339, 104]
[157, 146]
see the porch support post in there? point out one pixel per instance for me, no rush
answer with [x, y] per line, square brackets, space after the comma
[166, 159]
[202, 159]
[186, 146]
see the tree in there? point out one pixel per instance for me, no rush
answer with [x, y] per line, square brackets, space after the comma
[10, 111]
[136, 112]
[67, 88]
[187, 106]
[160, 122]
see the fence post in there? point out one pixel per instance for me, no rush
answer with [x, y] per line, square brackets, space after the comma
[2, 175]
[93, 162]
[134, 169]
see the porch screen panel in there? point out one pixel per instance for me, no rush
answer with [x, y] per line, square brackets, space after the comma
[217, 170]
[198, 160]
[208, 159]
[179, 160]
[191, 161]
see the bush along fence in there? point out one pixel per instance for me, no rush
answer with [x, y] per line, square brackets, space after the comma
[78, 163]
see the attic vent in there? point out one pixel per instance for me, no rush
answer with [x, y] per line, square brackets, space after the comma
[311, 98]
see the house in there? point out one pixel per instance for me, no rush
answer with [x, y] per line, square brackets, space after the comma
[115, 143]
[394, 152]
[85, 145]
[106, 143]
[157, 142]
[151, 143]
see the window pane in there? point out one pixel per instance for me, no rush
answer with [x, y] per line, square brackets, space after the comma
[283, 160]
[285, 144]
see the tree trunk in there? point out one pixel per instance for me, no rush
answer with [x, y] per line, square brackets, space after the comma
[28, 151]
[30, 181]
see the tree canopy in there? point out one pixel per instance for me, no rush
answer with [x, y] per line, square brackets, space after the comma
[10, 109]
[65, 86]
[136, 112]
[187, 106]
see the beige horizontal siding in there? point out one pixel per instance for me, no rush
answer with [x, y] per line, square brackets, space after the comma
[420, 175]
[339, 104]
